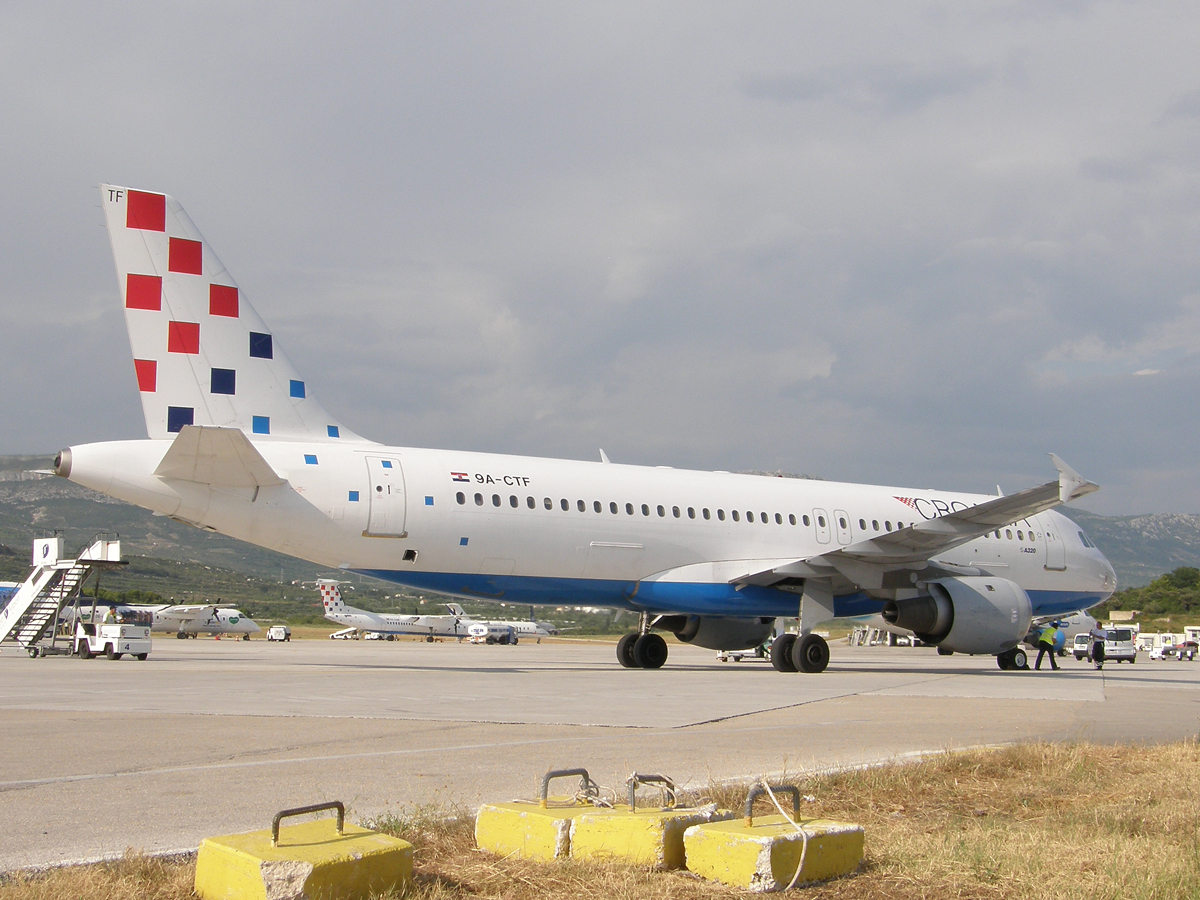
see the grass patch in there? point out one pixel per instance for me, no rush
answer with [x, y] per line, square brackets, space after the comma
[1036, 821]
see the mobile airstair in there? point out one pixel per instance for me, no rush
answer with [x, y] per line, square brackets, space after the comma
[31, 616]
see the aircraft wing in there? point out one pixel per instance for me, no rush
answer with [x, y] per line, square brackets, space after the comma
[866, 563]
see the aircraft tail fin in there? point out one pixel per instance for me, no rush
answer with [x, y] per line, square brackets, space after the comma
[331, 596]
[201, 354]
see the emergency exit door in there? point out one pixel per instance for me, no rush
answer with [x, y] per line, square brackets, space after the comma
[387, 504]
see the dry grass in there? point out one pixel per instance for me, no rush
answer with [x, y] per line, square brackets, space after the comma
[1033, 821]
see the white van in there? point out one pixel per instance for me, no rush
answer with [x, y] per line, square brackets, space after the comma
[1120, 646]
[279, 633]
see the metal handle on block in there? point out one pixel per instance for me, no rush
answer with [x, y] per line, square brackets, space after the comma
[302, 810]
[585, 784]
[635, 779]
[760, 791]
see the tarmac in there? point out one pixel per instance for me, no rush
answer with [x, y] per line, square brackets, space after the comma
[212, 737]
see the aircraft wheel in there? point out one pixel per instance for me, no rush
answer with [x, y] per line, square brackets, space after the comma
[181, 636]
[810, 653]
[625, 650]
[781, 653]
[650, 651]
[1019, 659]
[245, 637]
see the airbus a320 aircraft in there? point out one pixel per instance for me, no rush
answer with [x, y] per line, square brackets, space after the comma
[238, 444]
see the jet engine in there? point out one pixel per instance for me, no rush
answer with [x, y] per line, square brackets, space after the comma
[719, 632]
[967, 615]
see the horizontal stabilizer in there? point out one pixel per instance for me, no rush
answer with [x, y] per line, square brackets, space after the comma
[223, 457]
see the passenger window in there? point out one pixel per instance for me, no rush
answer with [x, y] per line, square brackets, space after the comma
[736, 516]
[764, 518]
[841, 522]
[495, 499]
[691, 512]
[675, 511]
[512, 501]
[597, 506]
[778, 519]
[806, 520]
[645, 510]
[792, 519]
[997, 534]
[821, 521]
[565, 504]
[461, 498]
[661, 511]
[899, 526]
[887, 525]
[749, 515]
[479, 499]
[704, 512]
[874, 524]
[612, 507]
[862, 524]
[1008, 533]
[721, 514]
[1020, 535]
[531, 503]
[629, 509]
[548, 503]
[581, 505]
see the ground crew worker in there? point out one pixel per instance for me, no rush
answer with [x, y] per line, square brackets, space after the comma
[110, 617]
[1098, 636]
[1046, 642]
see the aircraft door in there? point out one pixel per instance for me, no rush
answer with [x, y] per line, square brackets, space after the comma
[821, 524]
[841, 519]
[388, 509]
[1056, 550]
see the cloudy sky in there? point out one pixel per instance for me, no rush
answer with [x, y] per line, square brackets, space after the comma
[911, 243]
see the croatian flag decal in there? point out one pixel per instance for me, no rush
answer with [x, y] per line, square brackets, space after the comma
[459, 476]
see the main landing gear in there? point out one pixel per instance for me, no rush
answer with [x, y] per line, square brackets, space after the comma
[1012, 659]
[799, 653]
[643, 649]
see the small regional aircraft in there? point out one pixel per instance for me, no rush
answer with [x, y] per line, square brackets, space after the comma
[455, 625]
[530, 628]
[239, 444]
[184, 621]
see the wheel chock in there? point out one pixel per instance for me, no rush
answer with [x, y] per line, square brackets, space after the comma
[332, 861]
[648, 836]
[771, 853]
[536, 829]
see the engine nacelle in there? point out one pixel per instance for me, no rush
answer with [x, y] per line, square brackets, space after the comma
[719, 632]
[974, 614]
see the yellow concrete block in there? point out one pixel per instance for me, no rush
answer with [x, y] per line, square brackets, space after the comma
[764, 855]
[312, 861]
[647, 837]
[527, 830]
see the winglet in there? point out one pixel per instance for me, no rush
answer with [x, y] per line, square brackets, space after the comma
[604, 456]
[1071, 485]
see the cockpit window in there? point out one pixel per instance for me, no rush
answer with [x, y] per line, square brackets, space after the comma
[1084, 538]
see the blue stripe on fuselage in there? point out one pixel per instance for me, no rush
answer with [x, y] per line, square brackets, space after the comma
[690, 598]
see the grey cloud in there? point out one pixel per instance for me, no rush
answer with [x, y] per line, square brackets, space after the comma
[895, 88]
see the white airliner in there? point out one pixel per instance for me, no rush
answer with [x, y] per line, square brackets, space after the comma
[238, 444]
[429, 627]
[182, 620]
[530, 628]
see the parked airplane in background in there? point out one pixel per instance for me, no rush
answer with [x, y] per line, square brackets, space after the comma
[184, 621]
[528, 629]
[238, 444]
[429, 627]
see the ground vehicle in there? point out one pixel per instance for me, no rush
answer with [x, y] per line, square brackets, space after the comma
[114, 641]
[1082, 646]
[279, 633]
[1120, 646]
[378, 636]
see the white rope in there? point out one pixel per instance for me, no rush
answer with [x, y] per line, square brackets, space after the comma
[803, 834]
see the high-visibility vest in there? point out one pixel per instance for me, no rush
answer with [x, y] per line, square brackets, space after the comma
[1047, 635]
